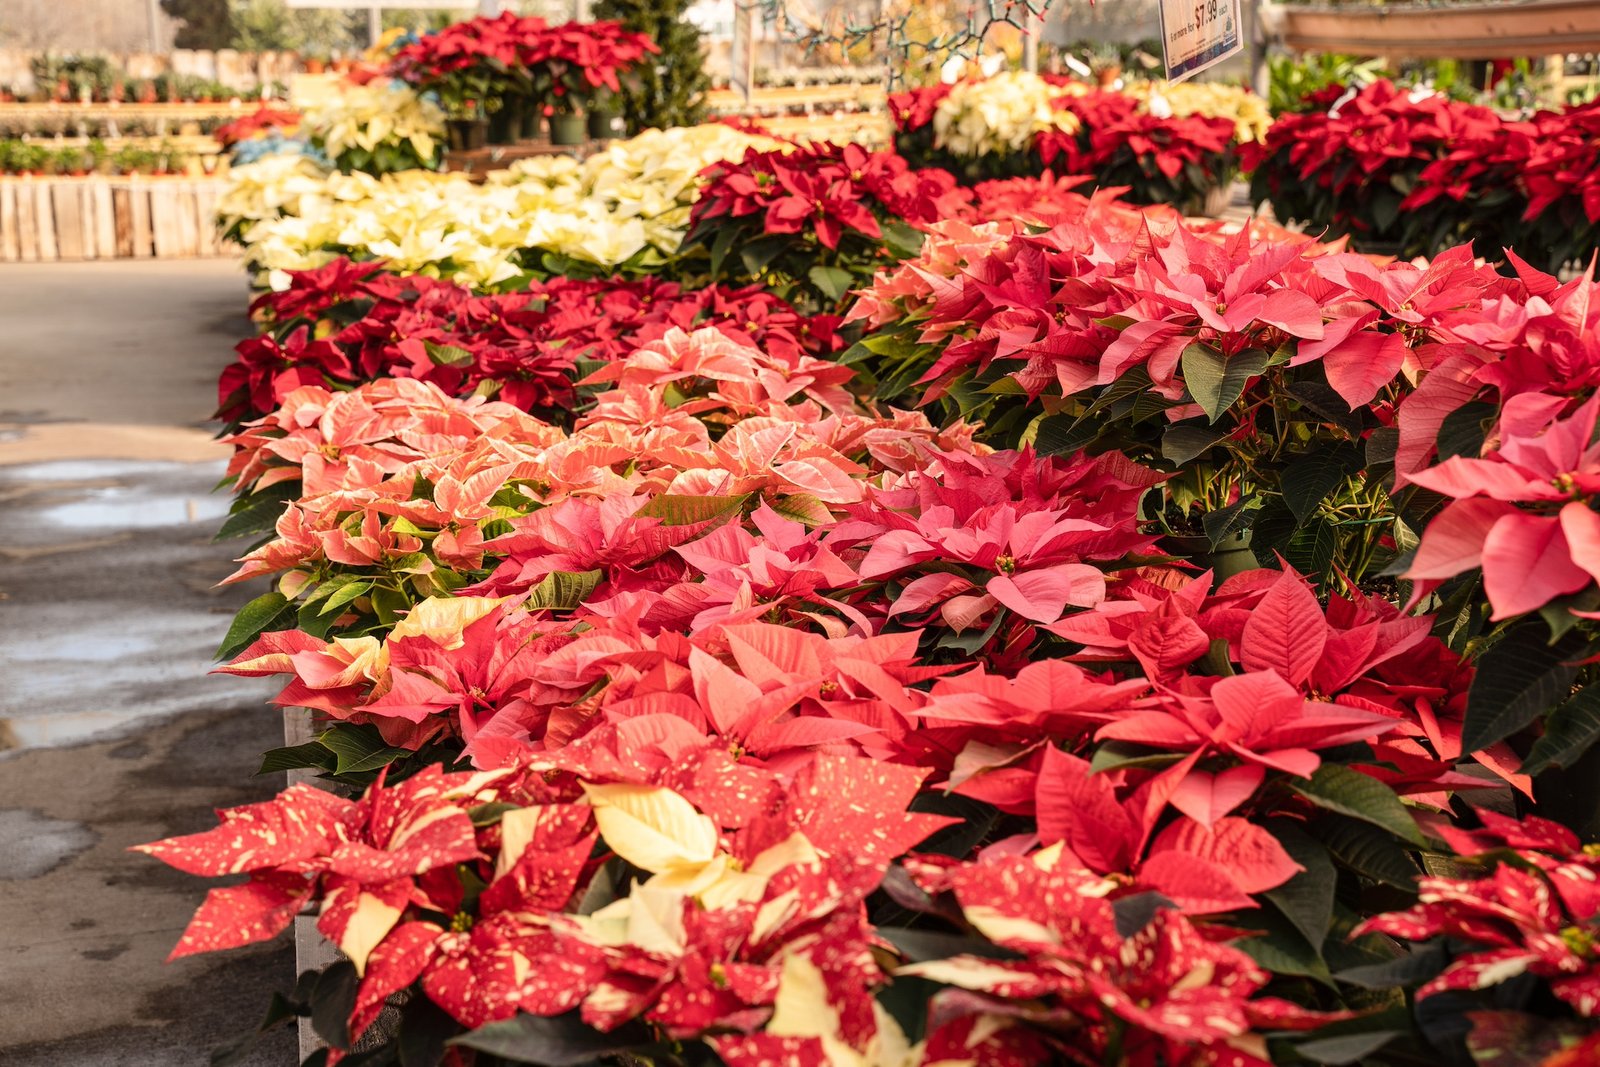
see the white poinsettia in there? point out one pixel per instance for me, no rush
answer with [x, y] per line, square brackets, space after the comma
[632, 197]
[999, 115]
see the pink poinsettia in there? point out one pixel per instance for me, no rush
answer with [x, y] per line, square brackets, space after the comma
[1547, 547]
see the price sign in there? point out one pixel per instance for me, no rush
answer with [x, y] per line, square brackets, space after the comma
[1196, 34]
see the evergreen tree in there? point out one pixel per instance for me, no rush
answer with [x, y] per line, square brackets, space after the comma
[204, 24]
[668, 89]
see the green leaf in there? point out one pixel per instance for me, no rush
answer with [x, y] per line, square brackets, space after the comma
[1308, 480]
[561, 1041]
[1411, 968]
[1383, 206]
[1520, 677]
[1185, 442]
[1464, 430]
[1325, 403]
[906, 999]
[490, 813]
[903, 240]
[359, 748]
[266, 612]
[1368, 851]
[563, 590]
[1568, 733]
[342, 596]
[332, 1001]
[1306, 900]
[1133, 913]
[447, 355]
[311, 755]
[919, 945]
[1114, 755]
[1236, 518]
[1312, 548]
[1148, 406]
[1215, 381]
[975, 820]
[682, 510]
[1282, 950]
[424, 1029]
[1055, 435]
[721, 245]
[257, 515]
[388, 604]
[1349, 792]
[758, 255]
[1133, 383]
[834, 282]
[1348, 1048]
[803, 508]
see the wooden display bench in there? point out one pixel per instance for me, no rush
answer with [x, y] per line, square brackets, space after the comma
[1423, 31]
[476, 163]
[94, 217]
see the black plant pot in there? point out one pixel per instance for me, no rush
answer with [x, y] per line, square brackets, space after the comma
[467, 134]
[604, 125]
[505, 125]
[1232, 556]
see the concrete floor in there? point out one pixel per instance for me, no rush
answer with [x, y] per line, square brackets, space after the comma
[111, 732]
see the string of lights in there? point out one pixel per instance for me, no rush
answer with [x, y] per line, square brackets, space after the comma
[899, 29]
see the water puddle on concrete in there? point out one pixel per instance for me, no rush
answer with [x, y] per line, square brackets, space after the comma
[98, 470]
[35, 844]
[106, 567]
[123, 509]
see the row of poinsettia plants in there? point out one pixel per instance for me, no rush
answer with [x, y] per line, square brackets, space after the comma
[1399, 170]
[1410, 171]
[1176, 145]
[927, 627]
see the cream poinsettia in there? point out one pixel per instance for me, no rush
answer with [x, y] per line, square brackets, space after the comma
[802, 1009]
[1245, 109]
[368, 116]
[657, 830]
[270, 187]
[1001, 114]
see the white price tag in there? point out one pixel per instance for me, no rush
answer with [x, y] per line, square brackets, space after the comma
[1196, 34]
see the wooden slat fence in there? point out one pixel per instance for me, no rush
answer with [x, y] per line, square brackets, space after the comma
[49, 219]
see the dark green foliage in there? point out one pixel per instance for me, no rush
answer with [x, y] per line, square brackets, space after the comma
[205, 24]
[668, 89]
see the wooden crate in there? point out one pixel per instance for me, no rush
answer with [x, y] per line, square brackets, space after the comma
[44, 220]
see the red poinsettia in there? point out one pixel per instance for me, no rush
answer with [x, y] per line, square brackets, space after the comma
[1166, 993]
[1537, 916]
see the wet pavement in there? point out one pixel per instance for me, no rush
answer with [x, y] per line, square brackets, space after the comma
[111, 731]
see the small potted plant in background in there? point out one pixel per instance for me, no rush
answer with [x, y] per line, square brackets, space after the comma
[605, 116]
[475, 68]
[577, 65]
